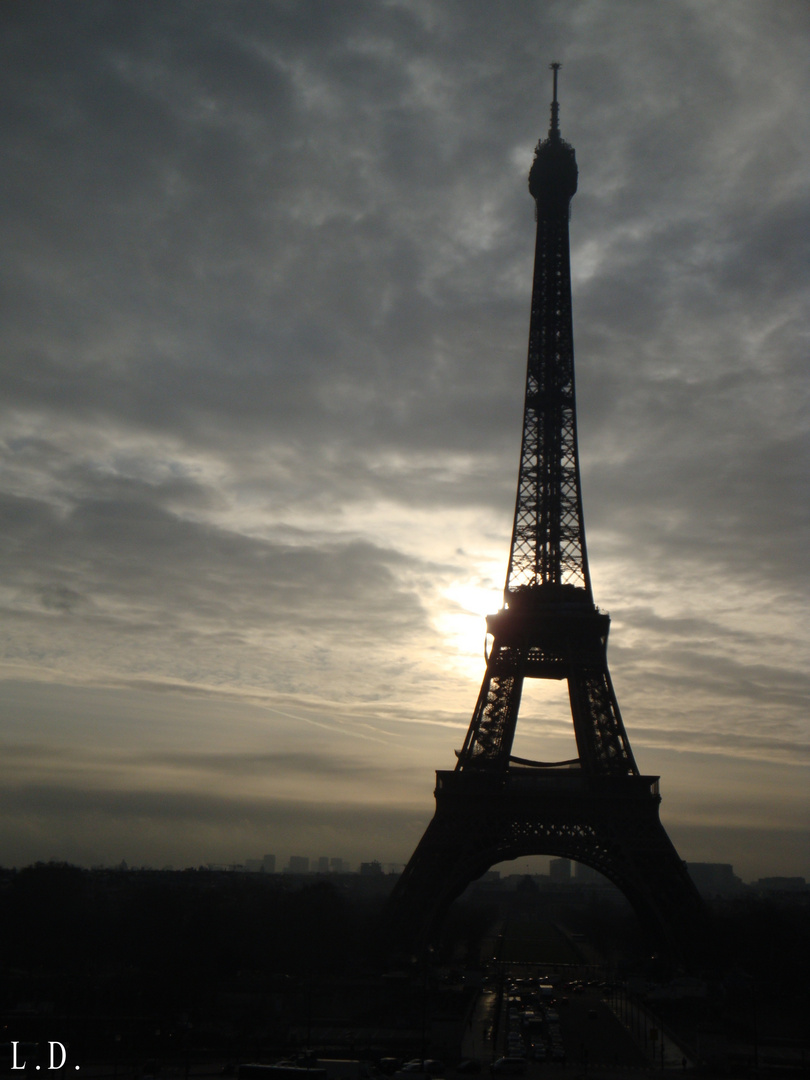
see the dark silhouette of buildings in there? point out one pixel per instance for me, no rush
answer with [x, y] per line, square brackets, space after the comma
[183, 972]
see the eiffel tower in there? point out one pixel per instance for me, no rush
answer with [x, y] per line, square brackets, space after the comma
[597, 808]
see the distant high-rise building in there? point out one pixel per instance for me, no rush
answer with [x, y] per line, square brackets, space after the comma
[269, 864]
[714, 879]
[299, 864]
[323, 864]
[337, 866]
[369, 869]
[780, 884]
[586, 875]
[559, 871]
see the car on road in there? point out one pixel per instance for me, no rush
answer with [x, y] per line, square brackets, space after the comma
[509, 1066]
[420, 1070]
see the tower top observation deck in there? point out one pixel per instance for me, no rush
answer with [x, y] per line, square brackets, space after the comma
[553, 175]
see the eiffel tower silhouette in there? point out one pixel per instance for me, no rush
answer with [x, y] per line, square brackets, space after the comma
[596, 808]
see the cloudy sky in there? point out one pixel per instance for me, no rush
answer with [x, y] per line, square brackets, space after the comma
[266, 268]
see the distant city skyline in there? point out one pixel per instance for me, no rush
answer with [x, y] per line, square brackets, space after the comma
[268, 272]
[711, 878]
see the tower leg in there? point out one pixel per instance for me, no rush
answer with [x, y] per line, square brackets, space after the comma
[608, 823]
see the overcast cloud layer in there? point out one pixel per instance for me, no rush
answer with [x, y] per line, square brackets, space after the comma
[266, 274]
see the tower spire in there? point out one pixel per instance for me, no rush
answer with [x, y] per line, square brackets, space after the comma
[554, 127]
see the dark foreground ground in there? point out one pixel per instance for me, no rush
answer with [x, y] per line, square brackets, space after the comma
[141, 973]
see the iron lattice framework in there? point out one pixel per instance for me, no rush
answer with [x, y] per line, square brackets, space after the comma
[595, 808]
[548, 540]
[549, 626]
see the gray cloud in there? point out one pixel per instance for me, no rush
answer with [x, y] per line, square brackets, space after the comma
[267, 274]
